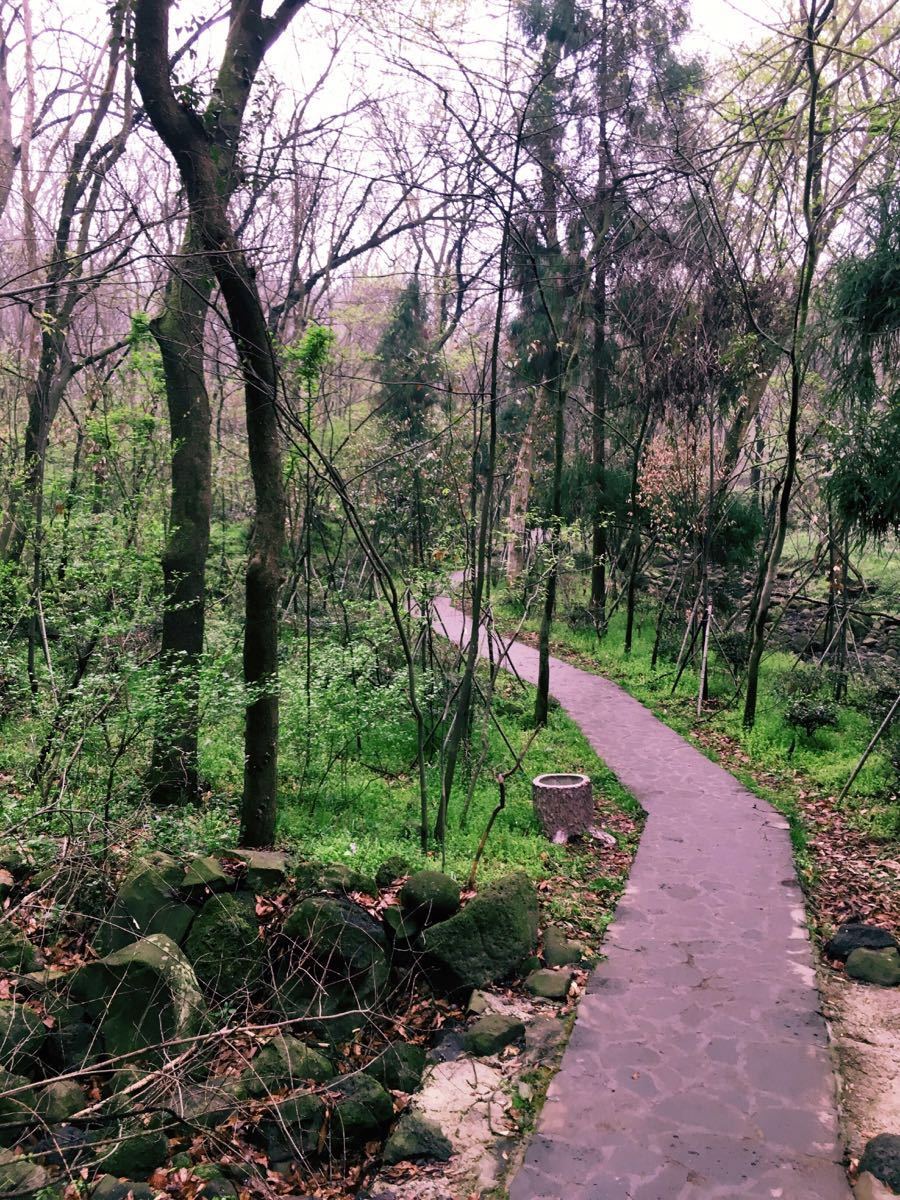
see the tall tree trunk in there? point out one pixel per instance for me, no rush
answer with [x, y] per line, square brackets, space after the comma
[179, 333]
[206, 171]
[520, 493]
[542, 701]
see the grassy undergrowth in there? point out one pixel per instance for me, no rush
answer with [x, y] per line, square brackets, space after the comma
[824, 760]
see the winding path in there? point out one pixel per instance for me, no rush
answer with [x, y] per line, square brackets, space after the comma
[699, 1066]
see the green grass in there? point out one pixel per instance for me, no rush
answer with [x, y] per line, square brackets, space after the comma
[825, 760]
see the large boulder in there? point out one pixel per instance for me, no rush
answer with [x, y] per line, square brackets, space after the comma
[146, 903]
[336, 968]
[856, 935]
[881, 1158]
[391, 869]
[143, 995]
[429, 897]
[134, 1150]
[283, 1064]
[488, 939]
[875, 966]
[18, 1101]
[224, 946]
[22, 1034]
[398, 1067]
[292, 1128]
[60, 1100]
[362, 1112]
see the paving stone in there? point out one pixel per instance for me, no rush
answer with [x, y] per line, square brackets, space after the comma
[708, 949]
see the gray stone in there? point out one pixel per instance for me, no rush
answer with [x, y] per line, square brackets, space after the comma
[875, 966]
[136, 1151]
[108, 1187]
[143, 995]
[147, 903]
[549, 985]
[489, 1034]
[266, 870]
[284, 1063]
[22, 1033]
[429, 897]
[559, 950]
[881, 1158]
[205, 874]
[856, 935]
[479, 1003]
[362, 1112]
[415, 1138]
[403, 928]
[60, 1100]
[338, 967]
[224, 946]
[19, 1176]
[487, 939]
[398, 1067]
[292, 1128]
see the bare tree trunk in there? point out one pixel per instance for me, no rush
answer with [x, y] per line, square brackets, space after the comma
[206, 178]
[179, 333]
[542, 701]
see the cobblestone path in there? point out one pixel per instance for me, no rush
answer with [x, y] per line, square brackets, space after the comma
[699, 1066]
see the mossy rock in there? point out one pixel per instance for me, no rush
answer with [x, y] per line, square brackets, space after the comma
[341, 939]
[204, 875]
[16, 952]
[22, 1033]
[147, 903]
[60, 1100]
[73, 1043]
[559, 950]
[487, 939]
[108, 1187]
[207, 1105]
[492, 1033]
[333, 877]
[215, 1182]
[20, 1176]
[16, 1111]
[391, 869]
[284, 1063]
[143, 995]
[416, 1139]
[881, 967]
[137, 1151]
[224, 946]
[399, 1067]
[429, 897]
[402, 928]
[16, 859]
[362, 1112]
[292, 1128]
[548, 984]
[265, 870]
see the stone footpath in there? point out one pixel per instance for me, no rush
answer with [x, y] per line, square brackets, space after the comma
[699, 1067]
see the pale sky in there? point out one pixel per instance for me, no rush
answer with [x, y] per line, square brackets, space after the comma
[721, 24]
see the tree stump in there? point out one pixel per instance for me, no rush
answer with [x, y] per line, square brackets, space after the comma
[564, 805]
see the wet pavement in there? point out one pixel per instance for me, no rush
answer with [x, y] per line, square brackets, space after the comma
[699, 1065]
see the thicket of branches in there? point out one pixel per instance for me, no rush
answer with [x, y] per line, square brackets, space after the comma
[303, 309]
